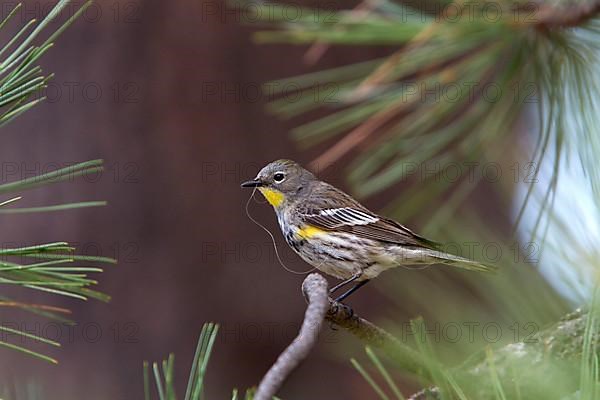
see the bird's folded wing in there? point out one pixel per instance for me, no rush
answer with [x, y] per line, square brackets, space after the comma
[365, 224]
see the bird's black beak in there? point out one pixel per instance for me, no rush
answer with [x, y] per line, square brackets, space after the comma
[252, 183]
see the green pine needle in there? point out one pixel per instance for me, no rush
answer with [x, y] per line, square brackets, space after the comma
[380, 393]
[384, 373]
[165, 382]
[20, 77]
[20, 80]
[57, 207]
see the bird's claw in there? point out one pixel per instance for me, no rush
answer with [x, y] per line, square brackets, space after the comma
[350, 311]
[347, 309]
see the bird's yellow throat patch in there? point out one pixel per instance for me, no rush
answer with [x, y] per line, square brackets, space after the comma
[274, 197]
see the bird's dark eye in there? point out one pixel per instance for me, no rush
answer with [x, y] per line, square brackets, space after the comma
[278, 177]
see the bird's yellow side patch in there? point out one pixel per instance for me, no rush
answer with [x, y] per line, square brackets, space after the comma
[308, 231]
[274, 197]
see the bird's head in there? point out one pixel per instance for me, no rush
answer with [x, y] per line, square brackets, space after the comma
[281, 181]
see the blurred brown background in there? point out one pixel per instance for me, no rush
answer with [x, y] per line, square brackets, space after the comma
[166, 93]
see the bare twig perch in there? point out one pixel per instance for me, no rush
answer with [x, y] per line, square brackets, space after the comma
[321, 307]
[562, 341]
[405, 357]
[315, 289]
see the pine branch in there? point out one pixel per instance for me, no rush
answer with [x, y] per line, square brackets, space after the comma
[320, 308]
[343, 316]
[53, 269]
[390, 115]
[20, 77]
[565, 14]
[315, 289]
[164, 377]
[562, 342]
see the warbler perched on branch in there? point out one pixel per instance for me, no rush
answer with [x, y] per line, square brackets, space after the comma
[339, 236]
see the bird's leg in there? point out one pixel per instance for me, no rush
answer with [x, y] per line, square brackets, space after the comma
[354, 289]
[343, 283]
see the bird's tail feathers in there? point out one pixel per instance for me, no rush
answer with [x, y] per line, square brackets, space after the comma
[464, 263]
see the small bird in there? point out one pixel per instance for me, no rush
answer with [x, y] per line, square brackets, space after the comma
[339, 236]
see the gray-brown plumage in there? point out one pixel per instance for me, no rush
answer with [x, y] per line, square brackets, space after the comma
[339, 236]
